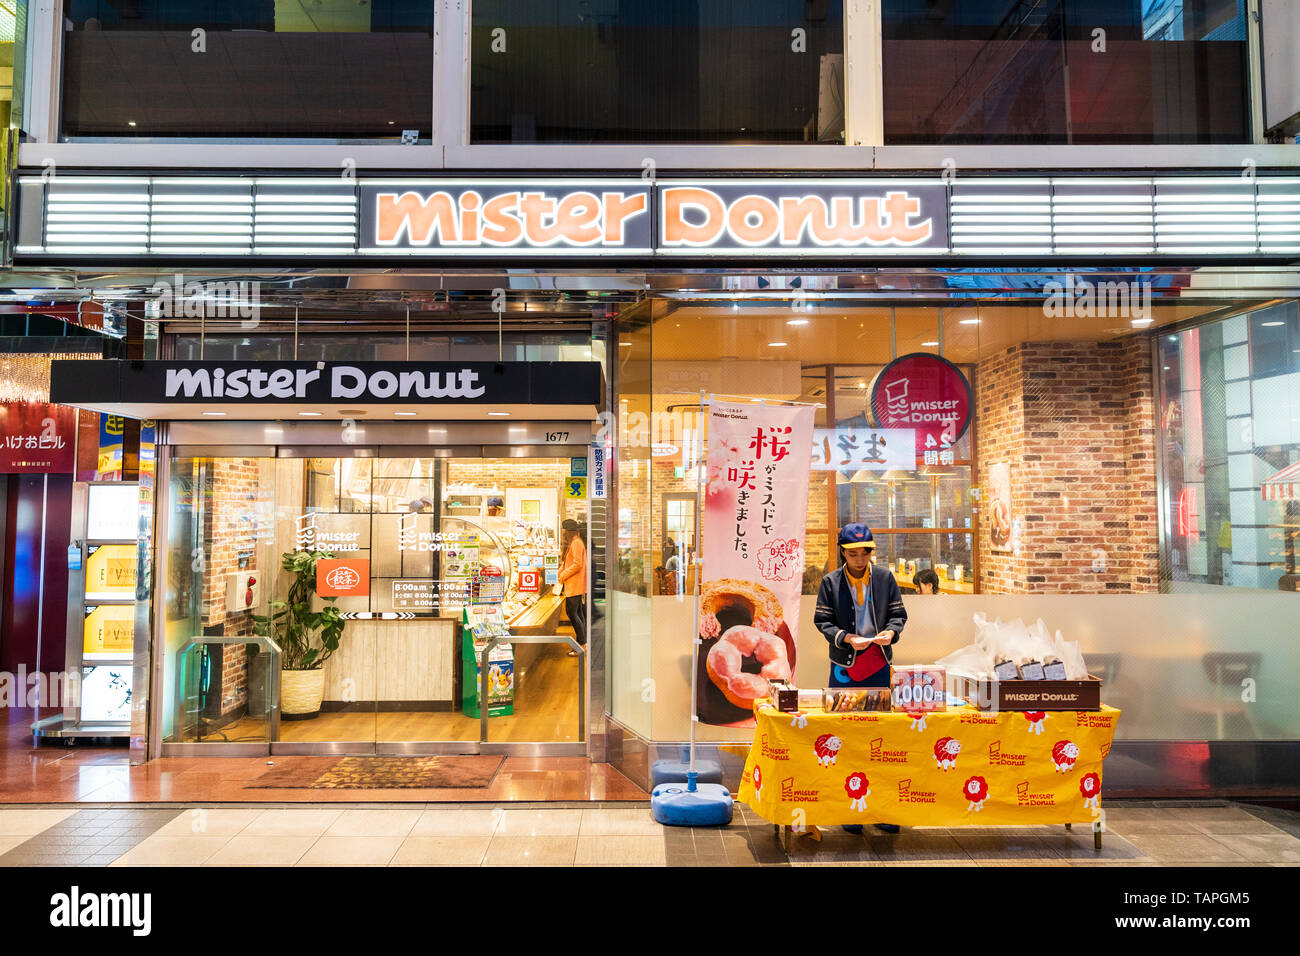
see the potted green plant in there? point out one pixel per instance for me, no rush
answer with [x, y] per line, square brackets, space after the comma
[306, 638]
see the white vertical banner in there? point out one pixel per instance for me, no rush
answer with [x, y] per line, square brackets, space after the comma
[755, 504]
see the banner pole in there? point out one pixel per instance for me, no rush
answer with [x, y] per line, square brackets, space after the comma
[700, 473]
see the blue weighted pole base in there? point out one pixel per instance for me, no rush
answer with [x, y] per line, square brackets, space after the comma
[674, 771]
[691, 805]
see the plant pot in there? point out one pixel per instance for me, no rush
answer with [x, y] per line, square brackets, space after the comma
[301, 693]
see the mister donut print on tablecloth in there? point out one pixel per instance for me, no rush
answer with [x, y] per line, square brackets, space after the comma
[856, 785]
[976, 791]
[1064, 755]
[1035, 718]
[1090, 787]
[827, 747]
[758, 782]
[918, 720]
[946, 750]
[799, 720]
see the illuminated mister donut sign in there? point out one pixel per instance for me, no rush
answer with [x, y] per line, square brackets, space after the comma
[925, 393]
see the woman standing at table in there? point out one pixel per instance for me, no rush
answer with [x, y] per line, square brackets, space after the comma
[860, 612]
[573, 577]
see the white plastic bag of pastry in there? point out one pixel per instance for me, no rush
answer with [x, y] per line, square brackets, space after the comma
[1040, 640]
[971, 659]
[1068, 651]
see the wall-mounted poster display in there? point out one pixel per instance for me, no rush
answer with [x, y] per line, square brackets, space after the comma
[110, 572]
[108, 632]
[105, 693]
[1001, 523]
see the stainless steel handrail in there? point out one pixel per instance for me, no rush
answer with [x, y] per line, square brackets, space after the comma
[535, 639]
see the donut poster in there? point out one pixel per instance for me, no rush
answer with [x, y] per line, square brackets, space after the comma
[1001, 522]
[755, 502]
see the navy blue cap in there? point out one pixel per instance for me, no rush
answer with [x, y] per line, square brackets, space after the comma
[856, 535]
[495, 503]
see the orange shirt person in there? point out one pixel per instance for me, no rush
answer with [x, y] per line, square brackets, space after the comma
[573, 575]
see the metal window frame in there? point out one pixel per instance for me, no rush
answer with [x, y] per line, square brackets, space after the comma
[864, 147]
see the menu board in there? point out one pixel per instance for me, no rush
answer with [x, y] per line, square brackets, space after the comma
[110, 572]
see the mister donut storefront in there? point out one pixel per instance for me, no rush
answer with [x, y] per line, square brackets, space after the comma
[1106, 342]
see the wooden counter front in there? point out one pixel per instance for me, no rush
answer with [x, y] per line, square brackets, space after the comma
[542, 618]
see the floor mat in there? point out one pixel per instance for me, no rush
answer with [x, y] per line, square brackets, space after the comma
[382, 773]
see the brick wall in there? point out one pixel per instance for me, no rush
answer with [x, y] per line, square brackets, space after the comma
[1074, 420]
[230, 530]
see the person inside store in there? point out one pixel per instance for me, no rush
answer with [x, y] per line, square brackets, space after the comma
[926, 581]
[573, 576]
[495, 507]
[860, 613]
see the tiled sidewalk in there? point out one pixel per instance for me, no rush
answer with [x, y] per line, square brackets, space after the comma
[1147, 833]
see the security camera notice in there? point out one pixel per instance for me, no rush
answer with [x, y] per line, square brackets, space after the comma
[1193, 909]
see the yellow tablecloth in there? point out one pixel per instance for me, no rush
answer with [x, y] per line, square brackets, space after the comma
[961, 767]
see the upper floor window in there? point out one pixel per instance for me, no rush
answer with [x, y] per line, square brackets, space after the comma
[657, 71]
[1065, 71]
[283, 69]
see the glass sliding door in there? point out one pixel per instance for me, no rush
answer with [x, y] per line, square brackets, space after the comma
[400, 561]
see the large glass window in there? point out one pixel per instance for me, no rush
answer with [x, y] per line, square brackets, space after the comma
[1230, 403]
[1065, 71]
[248, 68]
[1085, 472]
[650, 71]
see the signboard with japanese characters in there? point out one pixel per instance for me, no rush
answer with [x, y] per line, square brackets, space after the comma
[37, 438]
[756, 495]
[852, 448]
[597, 471]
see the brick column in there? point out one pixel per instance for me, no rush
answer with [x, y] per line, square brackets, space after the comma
[1074, 420]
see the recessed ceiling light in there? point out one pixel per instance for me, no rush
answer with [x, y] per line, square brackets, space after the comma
[214, 413]
[776, 345]
[403, 413]
[1139, 323]
[500, 414]
[928, 344]
[310, 414]
[796, 321]
[970, 322]
[1271, 325]
[1166, 368]
[862, 384]
[130, 122]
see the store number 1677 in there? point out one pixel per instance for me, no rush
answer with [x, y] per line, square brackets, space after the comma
[557, 436]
